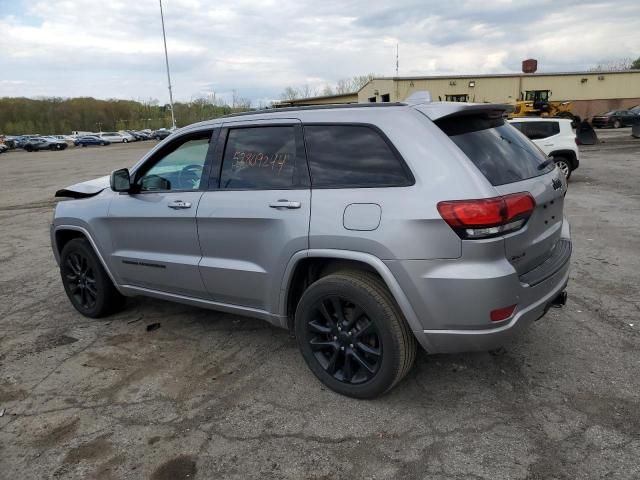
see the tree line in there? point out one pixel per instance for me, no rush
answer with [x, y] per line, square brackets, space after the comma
[63, 115]
[345, 85]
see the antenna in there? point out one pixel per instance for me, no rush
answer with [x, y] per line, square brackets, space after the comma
[166, 59]
[397, 59]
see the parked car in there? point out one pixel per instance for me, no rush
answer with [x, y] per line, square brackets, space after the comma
[635, 110]
[88, 140]
[140, 135]
[113, 137]
[44, 143]
[555, 137]
[161, 134]
[128, 136]
[3, 148]
[447, 232]
[615, 119]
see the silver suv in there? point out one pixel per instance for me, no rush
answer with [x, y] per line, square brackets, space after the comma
[363, 229]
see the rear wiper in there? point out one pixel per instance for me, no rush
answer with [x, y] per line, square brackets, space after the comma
[545, 164]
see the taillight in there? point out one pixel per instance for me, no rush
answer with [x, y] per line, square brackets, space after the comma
[487, 217]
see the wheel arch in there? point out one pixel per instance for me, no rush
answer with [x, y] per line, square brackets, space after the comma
[307, 266]
[62, 234]
[568, 154]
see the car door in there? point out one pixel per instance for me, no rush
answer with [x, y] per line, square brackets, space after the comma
[255, 216]
[153, 229]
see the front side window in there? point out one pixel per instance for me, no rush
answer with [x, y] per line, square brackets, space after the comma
[179, 168]
[259, 158]
[343, 156]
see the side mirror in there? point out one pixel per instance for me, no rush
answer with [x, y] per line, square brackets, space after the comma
[120, 180]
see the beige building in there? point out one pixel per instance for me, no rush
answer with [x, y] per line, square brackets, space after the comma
[590, 92]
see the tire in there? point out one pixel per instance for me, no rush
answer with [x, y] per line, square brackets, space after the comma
[564, 165]
[386, 350]
[85, 281]
[124, 140]
[84, 145]
[617, 124]
[28, 148]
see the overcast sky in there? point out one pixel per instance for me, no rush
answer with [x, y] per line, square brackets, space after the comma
[113, 48]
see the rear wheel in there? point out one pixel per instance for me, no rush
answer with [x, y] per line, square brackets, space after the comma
[124, 140]
[352, 335]
[564, 166]
[86, 282]
[617, 124]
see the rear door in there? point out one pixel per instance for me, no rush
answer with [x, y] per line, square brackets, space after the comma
[513, 164]
[255, 216]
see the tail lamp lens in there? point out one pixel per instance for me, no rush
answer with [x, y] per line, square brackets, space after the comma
[487, 217]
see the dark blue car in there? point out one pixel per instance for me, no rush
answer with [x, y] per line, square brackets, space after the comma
[90, 140]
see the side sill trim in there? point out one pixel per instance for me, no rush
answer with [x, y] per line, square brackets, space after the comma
[201, 302]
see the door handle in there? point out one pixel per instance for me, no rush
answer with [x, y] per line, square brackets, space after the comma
[284, 204]
[179, 204]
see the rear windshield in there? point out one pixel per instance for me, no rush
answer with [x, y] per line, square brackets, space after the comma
[501, 152]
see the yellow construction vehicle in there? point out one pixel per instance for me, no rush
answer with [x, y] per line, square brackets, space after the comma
[535, 103]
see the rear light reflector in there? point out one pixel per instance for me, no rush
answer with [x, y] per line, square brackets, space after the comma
[487, 217]
[502, 313]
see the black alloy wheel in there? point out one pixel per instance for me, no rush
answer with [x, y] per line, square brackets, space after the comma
[344, 340]
[86, 282]
[352, 334]
[81, 280]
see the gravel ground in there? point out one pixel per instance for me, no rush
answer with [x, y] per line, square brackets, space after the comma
[211, 395]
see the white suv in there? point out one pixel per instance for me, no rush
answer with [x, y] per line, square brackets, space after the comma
[555, 137]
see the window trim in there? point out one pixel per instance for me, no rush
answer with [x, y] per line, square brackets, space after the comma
[301, 169]
[165, 150]
[403, 164]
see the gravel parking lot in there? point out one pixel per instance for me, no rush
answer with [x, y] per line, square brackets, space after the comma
[211, 395]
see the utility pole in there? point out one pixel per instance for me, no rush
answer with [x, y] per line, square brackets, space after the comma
[166, 58]
[397, 58]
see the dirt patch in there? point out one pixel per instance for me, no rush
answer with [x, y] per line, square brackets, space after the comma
[57, 434]
[92, 450]
[177, 468]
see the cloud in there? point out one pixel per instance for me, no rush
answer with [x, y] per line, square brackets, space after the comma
[256, 48]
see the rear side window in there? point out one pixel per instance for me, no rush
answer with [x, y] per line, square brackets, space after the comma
[538, 130]
[259, 158]
[500, 152]
[343, 156]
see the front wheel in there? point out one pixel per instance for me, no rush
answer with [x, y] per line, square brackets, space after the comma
[617, 124]
[86, 282]
[352, 335]
[124, 140]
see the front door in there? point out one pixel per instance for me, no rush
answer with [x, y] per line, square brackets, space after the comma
[255, 216]
[153, 229]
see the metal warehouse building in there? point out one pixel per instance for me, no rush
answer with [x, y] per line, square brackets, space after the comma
[590, 92]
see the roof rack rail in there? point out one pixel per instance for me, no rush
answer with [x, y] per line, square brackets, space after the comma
[316, 107]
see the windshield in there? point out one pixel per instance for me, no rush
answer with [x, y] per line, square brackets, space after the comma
[502, 153]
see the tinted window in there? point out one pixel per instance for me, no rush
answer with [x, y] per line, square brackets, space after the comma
[499, 151]
[260, 158]
[538, 130]
[351, 156]
[178, 169]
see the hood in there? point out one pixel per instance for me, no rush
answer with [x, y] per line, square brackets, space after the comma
[85, 189]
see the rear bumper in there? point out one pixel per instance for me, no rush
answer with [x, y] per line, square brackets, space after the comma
[453, 298]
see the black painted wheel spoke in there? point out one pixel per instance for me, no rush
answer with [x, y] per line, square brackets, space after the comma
[368, 328]
[80, 280]
[337, 308]
[322, 345]
[319, 328]
[322, 308]
[333, 361]
[368, 349]
[362, 362]
[344, 340]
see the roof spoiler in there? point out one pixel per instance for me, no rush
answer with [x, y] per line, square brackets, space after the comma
[438, 110]
[419, 97]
